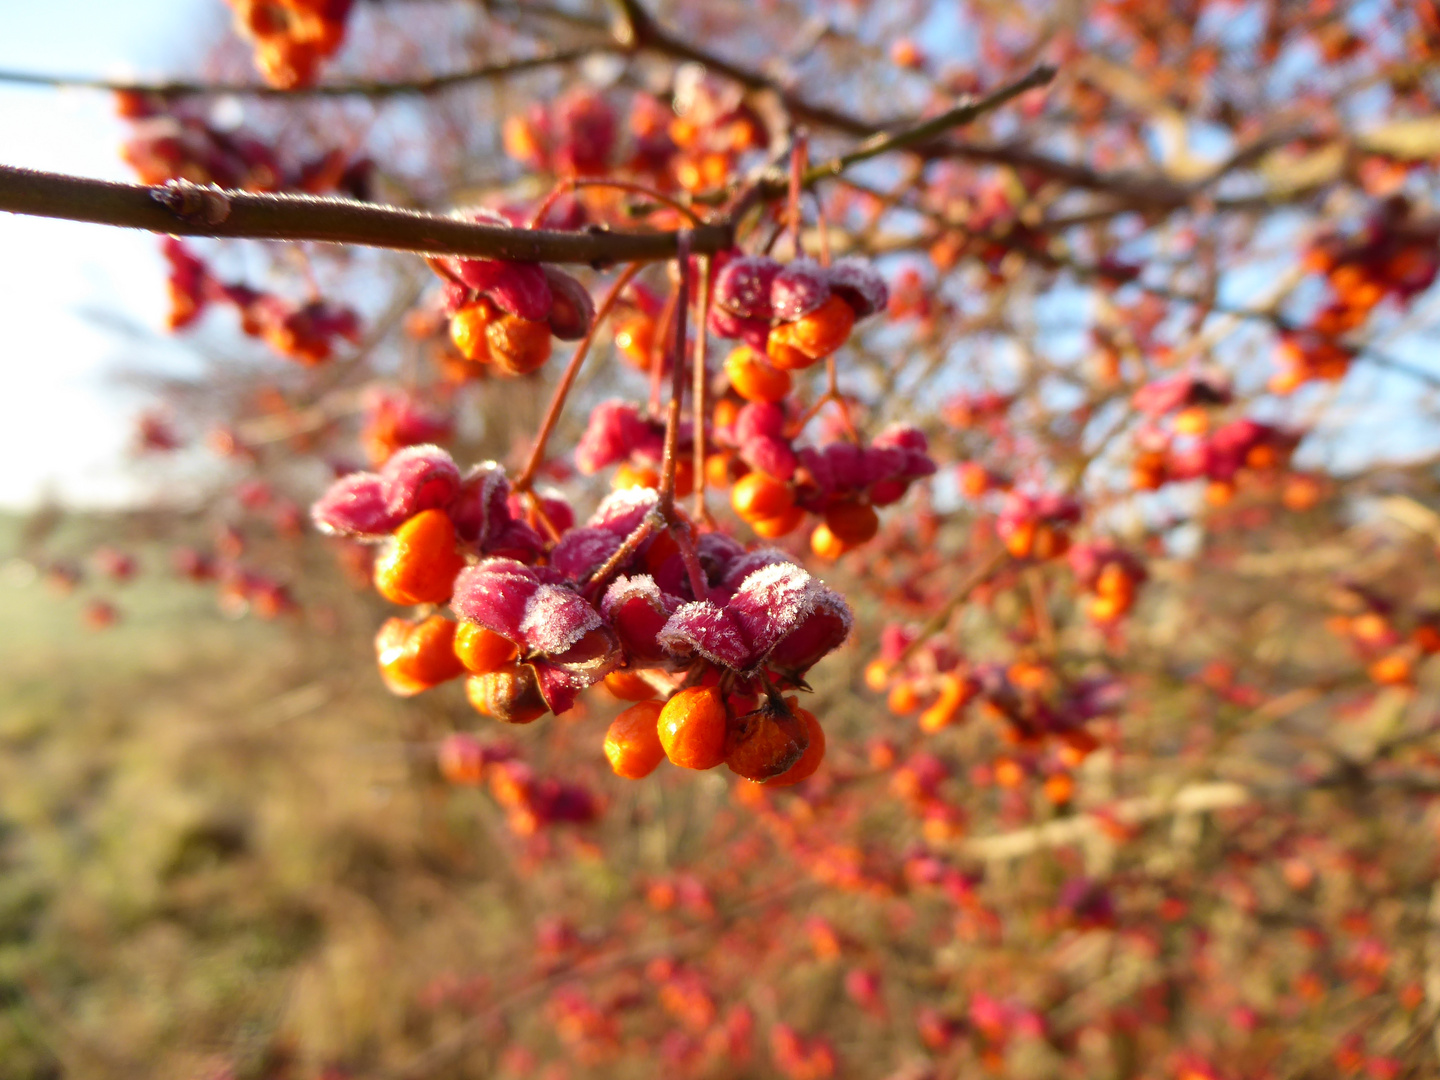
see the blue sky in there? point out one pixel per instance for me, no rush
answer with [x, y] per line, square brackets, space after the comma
[64, 424]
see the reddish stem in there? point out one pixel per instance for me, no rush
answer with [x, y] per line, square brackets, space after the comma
[572, 183]
[691, 558]
[567, 380]
[697, 393]
[799, 156]
[677, 381]
[650, 523]
[658, 350]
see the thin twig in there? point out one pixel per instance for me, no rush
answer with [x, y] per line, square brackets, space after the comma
[918, 135]
[698, 390]
[670, 460]
[430, 84]
[567, 380]
[987, 569]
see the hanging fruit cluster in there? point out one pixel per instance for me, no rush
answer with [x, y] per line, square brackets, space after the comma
[503, 314]
[536, 624]
[304, 332]
[1392, 257]
[292, 37]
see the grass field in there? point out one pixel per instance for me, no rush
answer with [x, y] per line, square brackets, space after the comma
[211, 847]
[225, 850]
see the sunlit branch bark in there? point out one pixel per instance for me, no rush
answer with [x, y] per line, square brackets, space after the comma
[192, 210]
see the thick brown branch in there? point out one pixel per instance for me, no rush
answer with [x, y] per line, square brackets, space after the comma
[191, 210]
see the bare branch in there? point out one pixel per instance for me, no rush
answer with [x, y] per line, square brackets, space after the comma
[191, 210]
[432, 84]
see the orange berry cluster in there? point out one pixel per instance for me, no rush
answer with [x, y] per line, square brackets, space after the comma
[1222, 458]
[795, 314]
[935, 681]
[306, 333]
[620, 432]
[1392, 257]
[396, 418]
[693, 144]
[1112, 577]
[1034, 705]
[291, 37]
[712, 127]
[530, 638]
[170, 139]
[1037, 526]
[1370, 625]
[503, 314]
[840, 483]
[778, 745]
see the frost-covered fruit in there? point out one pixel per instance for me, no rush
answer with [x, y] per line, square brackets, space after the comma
[793, 346]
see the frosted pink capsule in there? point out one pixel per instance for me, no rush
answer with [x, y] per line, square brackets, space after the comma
[798, 289]
[560, 635]
[355, 505]
[637, 610]
[754, 332]
[778, 616]
[420, 478]
[860, 285]
[744, 287]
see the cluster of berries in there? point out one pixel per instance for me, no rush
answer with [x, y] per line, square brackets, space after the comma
[934, 677]
[1392, 256]
[994, 222]
[841, 483]
[1034, 705]
[775, 484]
[168, 142]
[573, 136]
[536, 628]
[693, 144]
[306, 332]
[291, 37]
[241, 590]
[1220, 457]
[531, 802]
[1368, 621]
[619, 431]
[1111, 575]
[503, 314]
[1037, 526]
[63, 576]
[795, 313]
[395, 418]
[699, 146]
